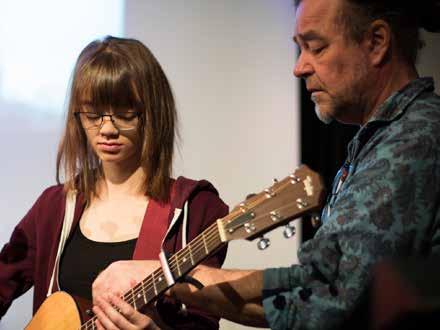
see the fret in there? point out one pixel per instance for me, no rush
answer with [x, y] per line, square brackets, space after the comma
[190, 254]
[204, 243]
[215, 241]
[186, 261]
[179, 272]
[154, 283]
[162, 283]
[150, 287]
[143, 292]
[139, 298]
[133, 299]
[150, 291]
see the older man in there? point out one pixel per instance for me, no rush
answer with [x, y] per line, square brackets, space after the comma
[358, 61]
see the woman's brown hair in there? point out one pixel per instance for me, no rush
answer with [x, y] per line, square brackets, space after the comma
[119, 73]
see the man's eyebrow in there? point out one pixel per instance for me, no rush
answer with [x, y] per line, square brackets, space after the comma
[307, 36]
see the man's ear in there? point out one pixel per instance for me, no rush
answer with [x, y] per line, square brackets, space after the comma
[378, 38]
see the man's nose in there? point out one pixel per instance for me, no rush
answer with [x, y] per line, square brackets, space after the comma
[303, 67]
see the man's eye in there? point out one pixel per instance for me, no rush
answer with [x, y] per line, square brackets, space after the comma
[317, 50]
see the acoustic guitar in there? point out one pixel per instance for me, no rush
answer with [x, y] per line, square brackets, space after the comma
[296, 195]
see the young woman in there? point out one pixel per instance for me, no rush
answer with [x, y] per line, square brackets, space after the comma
[115, 157]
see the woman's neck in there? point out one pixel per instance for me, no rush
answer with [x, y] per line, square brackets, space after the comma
[120, 182]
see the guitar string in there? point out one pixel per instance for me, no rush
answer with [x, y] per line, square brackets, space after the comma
[256, 200]
[130, 295]
[200, 243]
[197, 245]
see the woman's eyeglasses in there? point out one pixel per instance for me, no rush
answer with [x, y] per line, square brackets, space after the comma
[123, 121]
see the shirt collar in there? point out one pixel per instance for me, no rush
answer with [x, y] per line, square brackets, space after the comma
[396, 104]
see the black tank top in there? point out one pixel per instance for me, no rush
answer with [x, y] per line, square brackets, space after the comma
[84, 259]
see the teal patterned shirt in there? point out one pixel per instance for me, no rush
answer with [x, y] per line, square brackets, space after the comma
[387, 206]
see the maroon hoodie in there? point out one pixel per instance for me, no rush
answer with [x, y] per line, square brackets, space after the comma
[28, 259]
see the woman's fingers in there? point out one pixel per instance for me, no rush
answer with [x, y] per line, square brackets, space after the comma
[115, 313]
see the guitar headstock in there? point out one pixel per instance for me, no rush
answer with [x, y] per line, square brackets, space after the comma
[300, 193]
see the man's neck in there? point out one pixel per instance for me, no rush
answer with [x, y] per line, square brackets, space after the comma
[390, 79]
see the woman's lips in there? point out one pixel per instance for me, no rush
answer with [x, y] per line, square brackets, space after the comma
[110, 147]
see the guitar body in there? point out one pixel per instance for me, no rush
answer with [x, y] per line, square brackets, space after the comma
[58, 311]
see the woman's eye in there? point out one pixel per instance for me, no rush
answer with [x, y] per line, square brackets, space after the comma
[92, 116]
[126, 116]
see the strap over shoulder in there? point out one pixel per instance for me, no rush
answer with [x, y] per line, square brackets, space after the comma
[67, 225]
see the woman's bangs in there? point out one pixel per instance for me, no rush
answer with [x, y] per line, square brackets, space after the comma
[107, 86]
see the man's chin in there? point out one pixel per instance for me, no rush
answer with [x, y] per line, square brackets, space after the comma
[323, 116]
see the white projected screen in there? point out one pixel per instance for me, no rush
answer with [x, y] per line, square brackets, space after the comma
[40, 43]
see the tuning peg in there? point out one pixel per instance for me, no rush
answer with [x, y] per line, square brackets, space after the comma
[289, 231]
[263, 243]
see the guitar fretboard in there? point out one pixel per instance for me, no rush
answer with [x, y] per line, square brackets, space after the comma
[180, 264]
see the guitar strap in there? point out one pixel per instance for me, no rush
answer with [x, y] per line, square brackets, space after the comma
[154, 228]
[163, 255]
[181, 308]
[67, 224]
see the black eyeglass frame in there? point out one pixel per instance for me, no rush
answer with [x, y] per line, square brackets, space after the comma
[136, 113]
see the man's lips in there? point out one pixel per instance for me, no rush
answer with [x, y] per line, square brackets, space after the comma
[313, 90]
[314, 94]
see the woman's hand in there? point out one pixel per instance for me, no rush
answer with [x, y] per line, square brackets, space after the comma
[115, 313]
[121, 276]
[118, 278]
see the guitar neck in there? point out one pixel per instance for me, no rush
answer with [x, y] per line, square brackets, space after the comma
[180, 264]
[297, 194]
